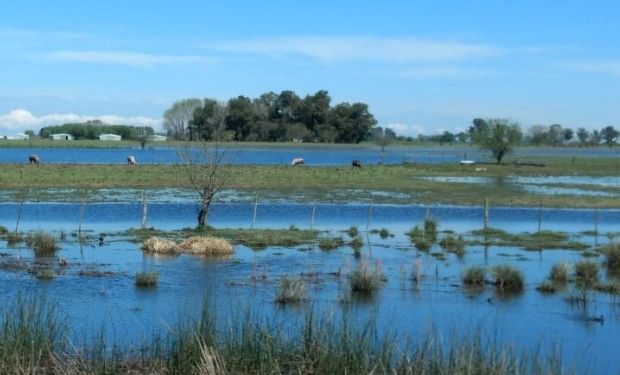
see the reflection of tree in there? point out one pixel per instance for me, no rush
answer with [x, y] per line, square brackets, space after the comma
[202, 168]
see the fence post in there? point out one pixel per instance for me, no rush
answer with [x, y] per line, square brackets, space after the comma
[369, 216]
[540, 215]
[254, 214]
[486, 213]
[312, 218]
[596, 226]
[144, 210]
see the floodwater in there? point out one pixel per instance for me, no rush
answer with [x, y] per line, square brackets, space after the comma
[313, 155]
[126, 313]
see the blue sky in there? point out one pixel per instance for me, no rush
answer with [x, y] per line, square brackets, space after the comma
[421, 66]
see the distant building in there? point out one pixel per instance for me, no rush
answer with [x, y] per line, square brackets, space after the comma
[110, 137]
[62, 137]
[21, 137]
[157, 138]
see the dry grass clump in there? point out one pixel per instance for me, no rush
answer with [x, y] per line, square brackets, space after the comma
[291, 290]
[508, 278]
[148, 278]
[474, 276]
[586, 272]
[155, 245]
[559, 273]
[43, 244]
[204, 245]
[364, 279]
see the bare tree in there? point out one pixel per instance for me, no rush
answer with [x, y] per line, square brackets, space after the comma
[204, 171]
[177, 117]
[383, 137]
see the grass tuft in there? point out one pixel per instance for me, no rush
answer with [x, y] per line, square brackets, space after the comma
[559, 273]
[158, 246]
[13, 238]
[291, 290]
[147, 279]
[430, 229]
[330, 243]
[364, 279]
[473, 276]
[586, 272]
[453, 244]
[204, 245]
[612, 254]
[508, 278]
[419, 239]
[45, 274]
[547, 287]
[43, 244]
[352, 232]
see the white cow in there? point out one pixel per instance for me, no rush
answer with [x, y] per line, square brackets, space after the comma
[297, 161]
[131, 160]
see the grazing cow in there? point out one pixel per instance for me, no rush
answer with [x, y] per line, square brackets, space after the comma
[297, 161]
[356, 164]
[131, 160]
[33, 159]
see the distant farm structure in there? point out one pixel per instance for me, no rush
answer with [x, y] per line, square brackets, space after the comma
[110, 137]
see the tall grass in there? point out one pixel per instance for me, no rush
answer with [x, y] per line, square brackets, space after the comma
[43, 244]
[147, 278]
[291, 290]
[508, 278]
[473, 276]
[586, 272]
[430, 229]
[34, 340]
[612, 254]
[559, 273]
[365, 279]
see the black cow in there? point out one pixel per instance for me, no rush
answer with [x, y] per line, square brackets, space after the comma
[33, 159]
[356, 164]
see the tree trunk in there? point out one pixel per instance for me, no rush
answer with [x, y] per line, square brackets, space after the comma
[204, 208]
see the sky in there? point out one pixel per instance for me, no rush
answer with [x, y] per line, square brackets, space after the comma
[422, 66]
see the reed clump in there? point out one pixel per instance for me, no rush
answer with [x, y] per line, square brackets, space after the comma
[43, 243]
[205, 245]
[147, 278]
[291, 290]
[13, 238]
[430, 229]
[612, 255]
[365, 279]
[453, 244]
[352, 231]
[474, 276]
[508, 278]
[330, 243]
[45, 274]
[419, 239]
[586, 272]
[159, 246]
[559, 273]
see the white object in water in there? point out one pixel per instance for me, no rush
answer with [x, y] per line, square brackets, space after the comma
[467, 162]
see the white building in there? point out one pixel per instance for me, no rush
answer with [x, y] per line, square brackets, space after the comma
[110, 137]
[62, 137]
[157, 138]
[21, 137]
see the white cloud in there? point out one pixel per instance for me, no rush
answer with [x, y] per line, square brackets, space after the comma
[609, 67]
[329, 48]
[56, 35]
[134, 59]
[428, 72]
[406, 130]
[19, 120]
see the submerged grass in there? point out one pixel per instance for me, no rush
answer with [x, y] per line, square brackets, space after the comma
[291, 290]
[35, 341]
[474, 276]
[330, 243]
[508, 278]
[453, 244]
[530, 241]
[612, 255]
[147, 278]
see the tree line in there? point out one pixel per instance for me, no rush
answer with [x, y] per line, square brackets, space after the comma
[94, 128]
[536, 135]
[271, 117]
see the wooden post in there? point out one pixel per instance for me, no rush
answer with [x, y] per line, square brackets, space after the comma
[369, 216]
[81, 218]
[144, 210]
[486, 213]
[428, 213]
[596, 226]
[254, 214]
[19, 214]
[540, 215]
[312, 218]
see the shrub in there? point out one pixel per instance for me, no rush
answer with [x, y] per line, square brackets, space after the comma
[155, 245]
[352, 232]
[148, 278]
[559, 273]
[384, 233]
[473, 276]
[586, 271]
[612, 253]
[203, 245]
[508, 278]
[43, 244]
[3, 231]
[330, 243]
[291, 290]
[365, 280]
[453, 244]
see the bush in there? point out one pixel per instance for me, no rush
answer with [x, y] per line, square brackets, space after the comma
[473, 276]
[612, 253]
[291, 290]
[586, 271]
[559, 273]
[43, 244]
[365, 280]
[330, 243]
[148, 278]
[384, 233]
[453, 244]
[508, 278]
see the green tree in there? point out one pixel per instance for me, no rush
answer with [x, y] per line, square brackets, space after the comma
[498, 136]
[609, 134]
[353, 122]
[583, 135]
[241, 117]
[555, 135]
[208, 121]
[177, 117]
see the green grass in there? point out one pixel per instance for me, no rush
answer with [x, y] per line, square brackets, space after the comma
[147, 278]
[352, 231]
[559, 273]
[453, 244]
[612, 255]
[356, 243]
[321, 182]
[364, 279]
[384, 233]
[291, 290]
[3, 231]
[43, 244]
[430, 229]
[474, 276]
[508, 278]
[330, 243]
[419, 239]
[586, 272]
[35, 340]
[13, 238]
[547, 287]
[529, 241]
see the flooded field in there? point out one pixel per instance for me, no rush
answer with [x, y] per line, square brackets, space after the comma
[421, 292]
[313, 155]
